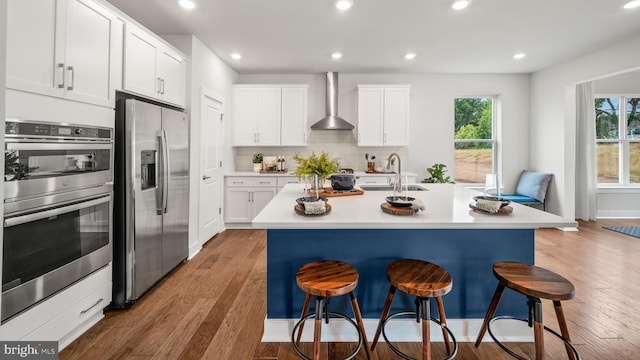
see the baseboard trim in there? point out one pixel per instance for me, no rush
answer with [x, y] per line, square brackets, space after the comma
[400, 330]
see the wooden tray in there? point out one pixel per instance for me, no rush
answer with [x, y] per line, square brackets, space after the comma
[505, 210]
[393, 210]
[300, 210]
[329, 192]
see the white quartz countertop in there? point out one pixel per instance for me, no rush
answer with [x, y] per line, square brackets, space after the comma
[447, 207]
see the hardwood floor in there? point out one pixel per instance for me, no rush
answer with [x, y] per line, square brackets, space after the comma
[213, 306]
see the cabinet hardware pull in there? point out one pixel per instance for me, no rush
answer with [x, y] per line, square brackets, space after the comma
[162, 83]
[73, 77]
[159, 85]
[61, 69]
[205, 177]
[92, 306]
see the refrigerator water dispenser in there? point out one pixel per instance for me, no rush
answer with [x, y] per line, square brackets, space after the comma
[148, 169]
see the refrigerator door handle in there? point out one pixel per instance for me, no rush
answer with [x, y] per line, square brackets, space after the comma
[160, 173]
[166, 171]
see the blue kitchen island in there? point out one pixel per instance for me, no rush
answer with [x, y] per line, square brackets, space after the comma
[357, 231]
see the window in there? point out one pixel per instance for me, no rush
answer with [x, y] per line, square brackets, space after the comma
[618, 140]
[474, 139]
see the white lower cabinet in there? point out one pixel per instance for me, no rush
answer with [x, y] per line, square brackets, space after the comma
[66, 315]
[246, 196]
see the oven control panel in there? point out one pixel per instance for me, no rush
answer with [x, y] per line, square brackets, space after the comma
[15, 128]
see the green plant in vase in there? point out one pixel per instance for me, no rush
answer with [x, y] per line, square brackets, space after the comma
[321, 165]
[257, 162]
[437, 176]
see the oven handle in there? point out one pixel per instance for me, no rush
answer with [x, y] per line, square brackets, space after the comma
[57, 146]
[19, 220]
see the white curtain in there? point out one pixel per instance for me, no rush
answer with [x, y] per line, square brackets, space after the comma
[586, 176]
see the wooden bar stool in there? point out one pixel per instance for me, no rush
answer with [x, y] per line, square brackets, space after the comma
[424, 280]
[325, 279]
[535, 283]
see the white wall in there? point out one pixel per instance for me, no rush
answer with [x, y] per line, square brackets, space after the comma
[204, 70]
[431, 128]
[3, 53]
[553, 115]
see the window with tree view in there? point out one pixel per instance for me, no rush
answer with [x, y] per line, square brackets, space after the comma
[474, 139]
[618, 140]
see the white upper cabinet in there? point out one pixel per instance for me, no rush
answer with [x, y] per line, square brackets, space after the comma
[383, 115]
[293, 130]
[63, 48]
[269, 115]
[152, 68]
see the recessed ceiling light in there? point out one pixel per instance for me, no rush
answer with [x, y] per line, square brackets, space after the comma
[410, 56]
[344, 4]
[632, 4]
[460, 4]
[519, 56]
[236, 56]
[336, 55]
[187, 4]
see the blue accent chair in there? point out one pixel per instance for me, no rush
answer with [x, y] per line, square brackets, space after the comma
[531, 189]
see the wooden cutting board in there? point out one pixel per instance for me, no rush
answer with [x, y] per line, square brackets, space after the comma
[329, 192]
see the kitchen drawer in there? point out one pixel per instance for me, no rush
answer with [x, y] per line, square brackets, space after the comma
[284, 180]
[35, 322]
[71, 323]
[375, 179]
[251, 181]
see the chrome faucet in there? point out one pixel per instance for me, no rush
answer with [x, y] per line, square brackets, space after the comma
[399, 182]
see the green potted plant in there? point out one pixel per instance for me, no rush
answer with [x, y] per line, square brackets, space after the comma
[321, 165]
[437, 176]
[257, 162]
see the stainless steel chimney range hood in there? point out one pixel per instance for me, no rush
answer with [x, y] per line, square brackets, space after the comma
[332, 121]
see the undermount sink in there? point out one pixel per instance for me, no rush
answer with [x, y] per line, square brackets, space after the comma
[390, 188]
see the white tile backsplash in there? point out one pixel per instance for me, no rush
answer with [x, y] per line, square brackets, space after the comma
[337, 143]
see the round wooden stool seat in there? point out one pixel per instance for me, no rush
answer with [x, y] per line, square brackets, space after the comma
[327, 278]
[533, 281]
[323, 279]
[419, 278]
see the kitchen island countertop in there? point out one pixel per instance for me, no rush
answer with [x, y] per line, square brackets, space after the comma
[447, 206]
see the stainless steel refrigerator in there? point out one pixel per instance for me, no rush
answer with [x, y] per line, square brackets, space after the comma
[151, 203]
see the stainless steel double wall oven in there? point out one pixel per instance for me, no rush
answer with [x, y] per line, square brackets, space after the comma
[58, 209]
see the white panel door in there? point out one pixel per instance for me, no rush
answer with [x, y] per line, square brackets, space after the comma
[245, 116]
[293, 130]
[34, 63]
[370, 116]
[140, 62]
[210, 171]
[171, 71]
[269, 114]
[89, 59]
[260, 198]
[396, 116]
[238, 205]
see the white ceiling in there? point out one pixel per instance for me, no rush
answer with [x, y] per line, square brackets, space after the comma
[298, 36]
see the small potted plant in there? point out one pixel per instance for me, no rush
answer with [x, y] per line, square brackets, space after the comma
[437, 176]
[257, 162]
[322, 166]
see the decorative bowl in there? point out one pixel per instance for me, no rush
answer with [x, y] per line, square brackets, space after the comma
[505, 202]
[400, 201]
[302, 200]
